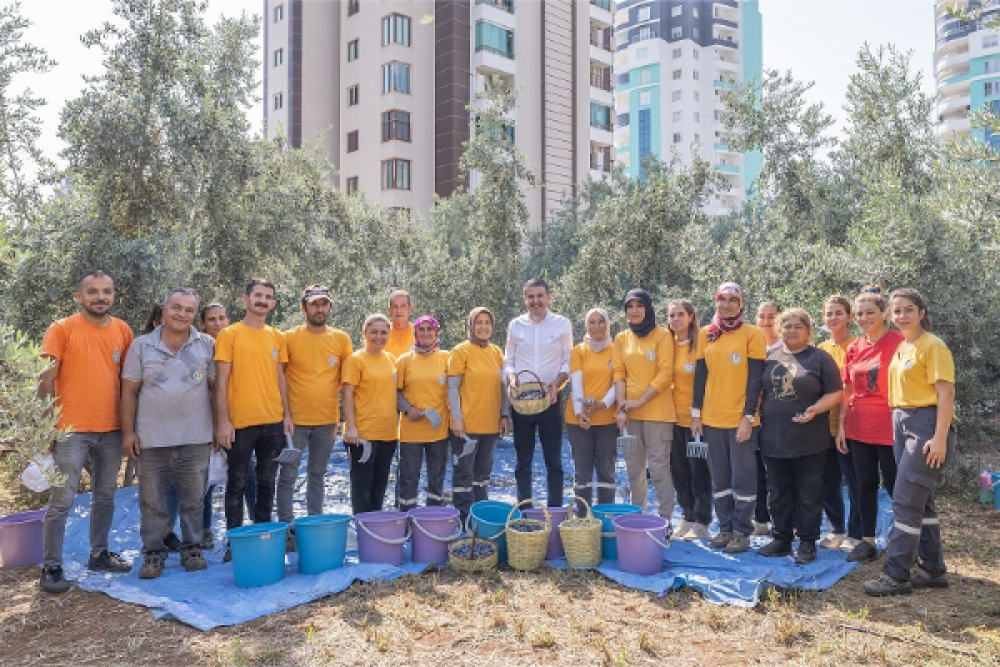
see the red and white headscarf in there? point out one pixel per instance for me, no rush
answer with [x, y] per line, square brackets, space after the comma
[721, 325]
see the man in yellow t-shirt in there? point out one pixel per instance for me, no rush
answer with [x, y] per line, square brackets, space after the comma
[316, 355]
[401, 332]
[251, 402]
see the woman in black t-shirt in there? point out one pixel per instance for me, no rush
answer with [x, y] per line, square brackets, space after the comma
[800, 385]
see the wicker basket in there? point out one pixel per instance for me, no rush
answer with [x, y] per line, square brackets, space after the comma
[581, 539]
[472, 564]
[525, 399]
[526, 551]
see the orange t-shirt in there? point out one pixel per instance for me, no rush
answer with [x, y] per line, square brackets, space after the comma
[88, 386]
[400, 341]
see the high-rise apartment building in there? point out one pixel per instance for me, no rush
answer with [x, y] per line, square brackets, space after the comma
[673, 58]
[383, 86]
[967, 68]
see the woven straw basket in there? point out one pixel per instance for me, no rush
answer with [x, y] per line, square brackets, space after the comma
[472, 564]
[525, 396]
[581, 538]
[526, 551]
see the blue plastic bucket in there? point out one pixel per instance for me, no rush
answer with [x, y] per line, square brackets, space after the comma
[641, 541]
[607, 513]
[258, 553]
[489, 518]
[381, 536]
[995, 480]
[321, 541]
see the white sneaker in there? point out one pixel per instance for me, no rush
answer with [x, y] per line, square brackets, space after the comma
[848, 544]
[699, 532]
[683, 530]
[833, 540]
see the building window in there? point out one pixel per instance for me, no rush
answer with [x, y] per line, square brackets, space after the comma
[645, 135]
[395, 30]
[677, 137]
[677, 53]
[992, 65]
[991, 88]
[352, 185]
[676, 96]
[279, 57]
[646, 76]
[697, 76]
[696, 54]
[643, 14]
[494, 39]
[678, 74]
[600, 116]
[279, 101]
[352, 50]
[675, 33]
[353, 95]
[697, 117]
[645, 33]
[395, 174]
[396, 78]
[697, 138]
[694, 12]
[695, 33]
[990, 41]
[676, 10]
[697, 96]
[395, 125]
[644, 98]
[353, 7]
[640, 54]
[676, 116]
[352, 141]
[279, 13]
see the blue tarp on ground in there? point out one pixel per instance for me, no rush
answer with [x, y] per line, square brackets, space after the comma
[209, 599]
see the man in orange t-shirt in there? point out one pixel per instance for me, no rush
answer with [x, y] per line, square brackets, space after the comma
[86, 352]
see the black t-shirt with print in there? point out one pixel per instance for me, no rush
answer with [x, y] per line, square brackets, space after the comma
[791, 383]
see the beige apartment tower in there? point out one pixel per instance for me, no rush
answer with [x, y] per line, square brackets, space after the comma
[383, 86]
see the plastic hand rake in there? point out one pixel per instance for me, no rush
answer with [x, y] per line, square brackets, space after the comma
[289, 455]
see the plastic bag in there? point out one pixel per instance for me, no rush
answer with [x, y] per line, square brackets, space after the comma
[218, 469]
[34, 476]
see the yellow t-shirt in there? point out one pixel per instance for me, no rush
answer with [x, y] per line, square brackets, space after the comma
[400, 341]
[726, 389]
[254, 397]
[598, 375]
[374, 380]
[685, 363]
[482, 385]
[839, 354]
[424, 381]
[915, 369]
[315, 362]
[642, 363]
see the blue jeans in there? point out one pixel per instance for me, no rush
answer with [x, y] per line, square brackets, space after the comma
[105, 453]
[318, 440]
[183, 468]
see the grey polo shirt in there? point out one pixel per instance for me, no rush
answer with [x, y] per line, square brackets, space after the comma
[174, 399]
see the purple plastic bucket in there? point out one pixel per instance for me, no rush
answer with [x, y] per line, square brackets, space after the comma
[641, 540]
[21, 539]
[434, 528]
[381, 536]
[606, 513]
[558, 515]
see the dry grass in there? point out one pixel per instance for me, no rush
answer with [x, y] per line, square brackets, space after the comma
[546, 618]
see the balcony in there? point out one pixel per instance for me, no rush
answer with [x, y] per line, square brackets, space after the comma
[505, 5]
[723, 83]
[602, 4]
[601, 80]
[953, 127]
[600, 13]
[952, 105]
[724, 22]
[953, 63]
[601, 41]
[601, 162]
[723, 147]
[728, 64]
[728, 42]
[728, 169]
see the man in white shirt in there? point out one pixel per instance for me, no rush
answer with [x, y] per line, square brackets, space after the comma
[540, 342]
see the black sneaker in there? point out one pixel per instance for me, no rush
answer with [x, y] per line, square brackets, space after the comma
[806, 553]
[109, 561]
[775, 548]
[864, 552]
[884, 585]
[172, 542]
[921, 578]
[227, 556]
[53, 580]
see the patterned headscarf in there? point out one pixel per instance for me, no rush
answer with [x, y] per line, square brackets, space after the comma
[426, 319]
[470, 329]
[721, 325]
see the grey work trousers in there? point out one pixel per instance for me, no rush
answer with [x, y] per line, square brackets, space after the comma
[185, 468]
[318, 441]
[916, 530]
[470, 475]
[105, 453]
[734, 477]
[651, 452]
[594, 451]
[411, 459]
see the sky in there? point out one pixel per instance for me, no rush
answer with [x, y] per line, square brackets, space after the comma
[817, 40]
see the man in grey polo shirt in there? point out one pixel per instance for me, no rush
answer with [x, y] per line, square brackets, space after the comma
[167, 384]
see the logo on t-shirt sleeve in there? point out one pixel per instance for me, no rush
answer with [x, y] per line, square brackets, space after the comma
[689, 366]
[736, 357]
[332, 361]
[651, 355]
[116, 356]
[274, 353]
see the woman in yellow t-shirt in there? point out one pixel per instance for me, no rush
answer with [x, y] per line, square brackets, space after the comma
[922, 398]
[643, 358]
[845, 532]
[422, 383]
[727, 385]
[691, 476]
[369, 378]
[590, 413]
[479, 411]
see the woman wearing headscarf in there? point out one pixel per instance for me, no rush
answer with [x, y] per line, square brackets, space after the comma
[643, 358]
[590, 414]
[731, 356]
[422, 385]
[479, 411]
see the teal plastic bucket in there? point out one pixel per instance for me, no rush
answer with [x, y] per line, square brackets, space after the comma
[258, 554]
[489, 518]
[995, 480]
[321, 541]
[607, 513]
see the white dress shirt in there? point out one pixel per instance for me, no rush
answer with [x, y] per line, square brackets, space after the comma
[541, 347]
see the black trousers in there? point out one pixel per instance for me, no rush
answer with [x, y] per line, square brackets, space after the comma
[370, 479]
[840, 469]
[266, 441]
[760, 513]
[795, 496]
[868, 460]
[549, 425]
[692, 479]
